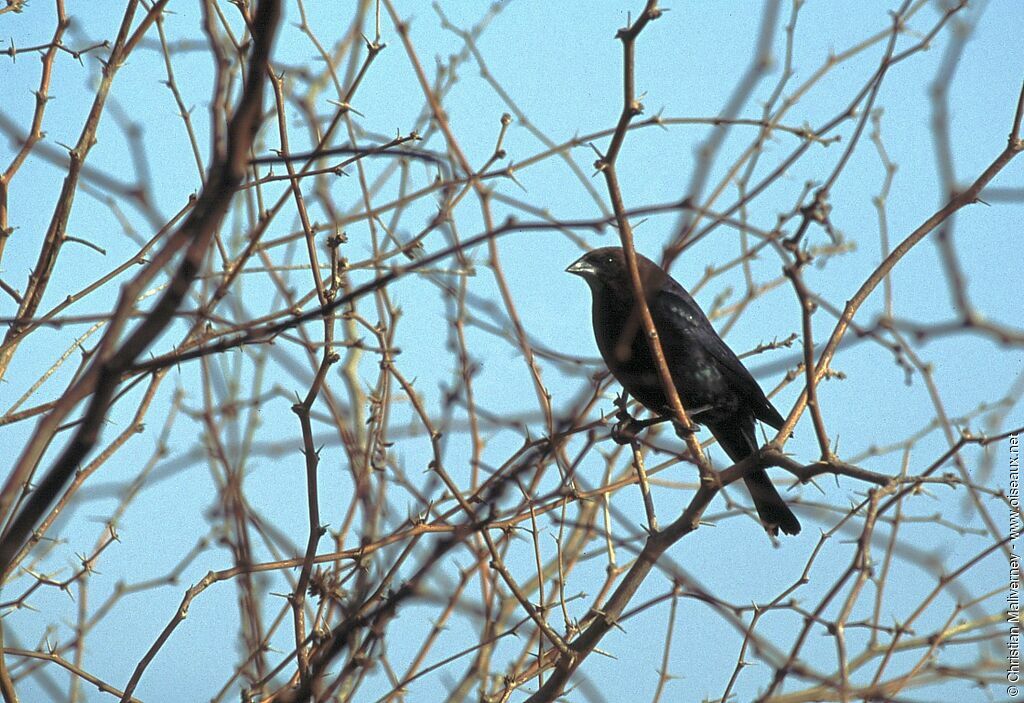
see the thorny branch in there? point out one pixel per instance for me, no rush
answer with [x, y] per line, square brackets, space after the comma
[370, 410]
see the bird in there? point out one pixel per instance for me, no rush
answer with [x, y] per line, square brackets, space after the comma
[713, 384]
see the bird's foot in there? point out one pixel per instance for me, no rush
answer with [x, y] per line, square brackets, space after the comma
[684, 432]
[625, 430]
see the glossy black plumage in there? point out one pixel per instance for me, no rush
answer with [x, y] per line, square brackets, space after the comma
[714, 386]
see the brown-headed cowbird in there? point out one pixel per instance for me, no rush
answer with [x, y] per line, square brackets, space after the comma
[714, 386]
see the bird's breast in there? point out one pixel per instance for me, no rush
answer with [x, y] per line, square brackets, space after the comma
[696, 376]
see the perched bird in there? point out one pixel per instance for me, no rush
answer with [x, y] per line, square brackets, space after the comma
[714, 386]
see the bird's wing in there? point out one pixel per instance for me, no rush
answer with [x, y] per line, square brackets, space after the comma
[675, 304]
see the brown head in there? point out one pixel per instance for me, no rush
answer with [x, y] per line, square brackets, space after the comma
[605, 271]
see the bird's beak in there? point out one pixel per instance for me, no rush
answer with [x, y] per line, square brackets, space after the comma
[581, 267]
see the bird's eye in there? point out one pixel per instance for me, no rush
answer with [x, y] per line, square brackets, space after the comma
[609, 260]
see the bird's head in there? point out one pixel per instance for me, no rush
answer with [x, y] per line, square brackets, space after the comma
[606, 269]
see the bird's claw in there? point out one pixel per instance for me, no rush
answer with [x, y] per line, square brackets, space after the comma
[625, 430]
[684, 432]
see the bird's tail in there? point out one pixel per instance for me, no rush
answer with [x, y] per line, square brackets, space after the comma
[738, 440]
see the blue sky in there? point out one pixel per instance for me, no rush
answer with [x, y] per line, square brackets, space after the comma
[563, 69]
